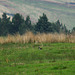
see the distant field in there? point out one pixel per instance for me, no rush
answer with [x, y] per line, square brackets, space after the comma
[28, 59]
[55, 9]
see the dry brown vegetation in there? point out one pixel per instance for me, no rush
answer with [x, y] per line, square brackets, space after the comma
[42, 38]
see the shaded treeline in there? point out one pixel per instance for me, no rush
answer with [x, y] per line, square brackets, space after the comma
[21, 26]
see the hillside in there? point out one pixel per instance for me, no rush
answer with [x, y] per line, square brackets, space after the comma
[55, 9]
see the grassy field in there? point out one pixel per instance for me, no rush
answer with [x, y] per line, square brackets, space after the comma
[37, 59]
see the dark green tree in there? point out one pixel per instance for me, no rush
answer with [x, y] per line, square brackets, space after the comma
[42, 24]
[73, 30]
[26, 26]
[0, 26]
[58, 26]
[22, 28]
[5, 25]
[64, 29]
[28, 23]
[17, 21]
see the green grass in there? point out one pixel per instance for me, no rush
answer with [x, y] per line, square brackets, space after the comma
[28, 59]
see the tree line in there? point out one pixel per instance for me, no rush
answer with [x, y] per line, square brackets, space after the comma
[21, 26]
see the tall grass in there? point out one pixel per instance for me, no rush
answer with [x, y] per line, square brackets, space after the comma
[29, 37]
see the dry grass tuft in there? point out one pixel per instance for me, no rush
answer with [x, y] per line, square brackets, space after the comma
[29, 37]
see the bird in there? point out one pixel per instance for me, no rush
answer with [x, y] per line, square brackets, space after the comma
[40, 48]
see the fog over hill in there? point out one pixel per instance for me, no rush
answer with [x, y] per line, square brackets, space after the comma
[64, 10]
